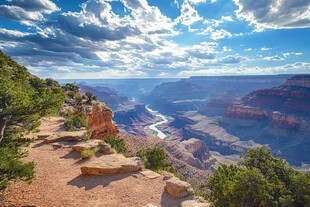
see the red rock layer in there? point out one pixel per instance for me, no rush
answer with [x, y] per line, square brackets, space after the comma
[99, 119]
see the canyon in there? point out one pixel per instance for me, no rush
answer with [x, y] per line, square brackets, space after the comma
[228, 114]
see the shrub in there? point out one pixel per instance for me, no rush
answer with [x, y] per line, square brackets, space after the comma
[155, 159]
[75, 121]
[89, 153]
[87, 135]
[117, 143]
[90, 97]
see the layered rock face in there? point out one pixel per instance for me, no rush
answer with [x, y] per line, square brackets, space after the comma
[281, 107]
[99, 118]
[133, 117]
[197, 148]
[193, 152]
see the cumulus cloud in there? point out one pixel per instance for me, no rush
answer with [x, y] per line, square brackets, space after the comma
[220, 34]
[45, 6]
[27, 12]
[189, 14]
[232, 59]
[204, 50]
[275, 14]
[96, 21]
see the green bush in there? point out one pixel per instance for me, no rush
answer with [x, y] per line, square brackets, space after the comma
[259, 180]
[89, 153]
[88, 135]
[75, 121]
[155, 159]
[90, 97]
[117, 143]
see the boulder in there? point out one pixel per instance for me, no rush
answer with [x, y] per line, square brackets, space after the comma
[91, 144]
[66, 136]
[111, 164]
[178, 189]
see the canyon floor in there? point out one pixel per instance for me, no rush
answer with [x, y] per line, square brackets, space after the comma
[59, 182]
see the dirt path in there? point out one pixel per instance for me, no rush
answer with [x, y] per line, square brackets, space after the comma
[59, 182]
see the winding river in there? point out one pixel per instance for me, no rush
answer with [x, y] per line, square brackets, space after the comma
[162, 120]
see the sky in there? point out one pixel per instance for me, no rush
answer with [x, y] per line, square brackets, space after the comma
[86, 39]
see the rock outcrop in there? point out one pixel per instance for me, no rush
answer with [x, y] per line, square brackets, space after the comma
[178, 189]
[99, 118]
[197, 148]
[92, 144]
[193, 152]
[111, 165]
[66, 136]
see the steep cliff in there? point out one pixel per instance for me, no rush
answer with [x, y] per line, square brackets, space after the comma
[133, 117]
[99, 118]
[282, 107]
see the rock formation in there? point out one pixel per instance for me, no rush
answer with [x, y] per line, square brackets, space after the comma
[111, 164]
[99, 118]
[279, 107]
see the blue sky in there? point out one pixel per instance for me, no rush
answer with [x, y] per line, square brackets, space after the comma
[156, 38]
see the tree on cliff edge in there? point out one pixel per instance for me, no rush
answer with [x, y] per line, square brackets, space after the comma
[260, 180]
[24, 99]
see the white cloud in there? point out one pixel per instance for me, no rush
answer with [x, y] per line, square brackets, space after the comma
[273, 58]
[275, 14]
[44, 6]
[298, 67]
[265, 48]
[188, 15]
[226, 49]
[220, 34]
[196, 1]
[287, 54]
[27, 12]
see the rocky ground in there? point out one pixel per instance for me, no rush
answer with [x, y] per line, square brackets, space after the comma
[59, 181]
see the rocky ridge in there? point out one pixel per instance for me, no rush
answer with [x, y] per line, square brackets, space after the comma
[282, 107]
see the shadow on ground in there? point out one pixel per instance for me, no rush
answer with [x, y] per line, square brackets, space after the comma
[91, 181]
[168, 201]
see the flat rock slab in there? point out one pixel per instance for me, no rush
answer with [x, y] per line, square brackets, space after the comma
[194, 203]
[178, 188]
[66, 136]
[91, 144]
[150, 174]
[111, 164]
[63, 144]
